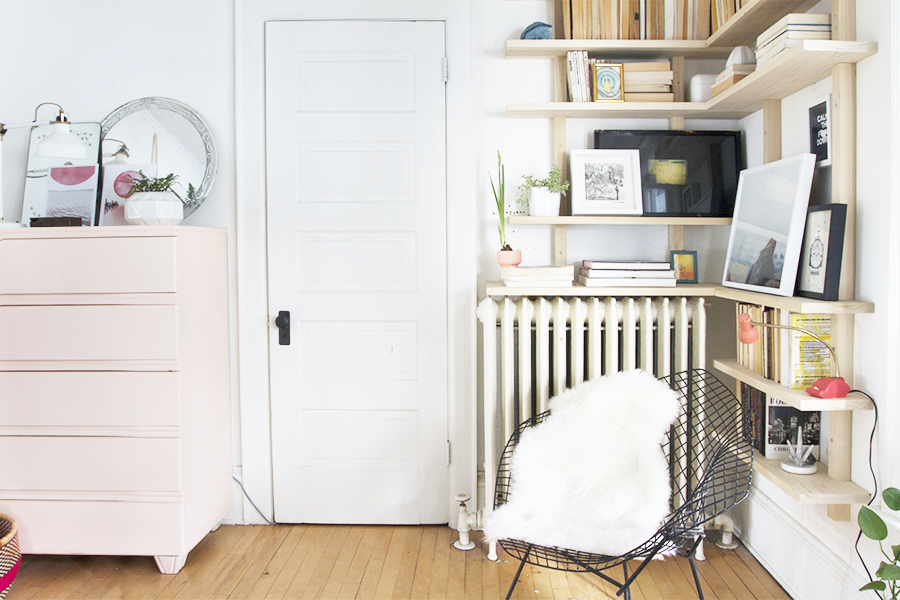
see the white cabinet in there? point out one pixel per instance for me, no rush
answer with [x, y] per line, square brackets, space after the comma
[115, 431]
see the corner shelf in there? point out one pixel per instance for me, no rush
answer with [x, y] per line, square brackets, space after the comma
[616, 220]
[497, 289]
[799, 399]
[818, 488]
[797, 304]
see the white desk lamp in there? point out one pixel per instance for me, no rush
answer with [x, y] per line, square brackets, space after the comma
[59, 144]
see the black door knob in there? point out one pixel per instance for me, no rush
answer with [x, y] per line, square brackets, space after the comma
[283, 323]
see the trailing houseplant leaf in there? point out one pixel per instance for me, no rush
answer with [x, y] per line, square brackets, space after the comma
[873, 527]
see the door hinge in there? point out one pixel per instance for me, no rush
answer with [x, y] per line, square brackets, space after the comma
[448, 453]
[446, 69]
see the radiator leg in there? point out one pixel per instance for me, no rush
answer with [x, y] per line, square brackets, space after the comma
[465, 520]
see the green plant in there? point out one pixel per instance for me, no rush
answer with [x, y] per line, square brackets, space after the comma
[873, 527]
[142, 183]
[500, 199]
[554, 182]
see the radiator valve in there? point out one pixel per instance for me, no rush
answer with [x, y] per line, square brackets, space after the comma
[466, 522]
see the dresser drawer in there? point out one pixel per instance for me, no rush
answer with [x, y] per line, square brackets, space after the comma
[80, 464]
[87, 333]
[88, 265]
[68, 400]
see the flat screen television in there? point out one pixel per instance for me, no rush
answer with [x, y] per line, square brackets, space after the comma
[683, 173]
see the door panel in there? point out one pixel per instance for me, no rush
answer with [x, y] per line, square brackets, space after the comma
[356, 209]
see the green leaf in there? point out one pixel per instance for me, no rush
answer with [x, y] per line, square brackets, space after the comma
[892, 498]
[875, 585]
[871, 524]
[896, 550]
[888, 572]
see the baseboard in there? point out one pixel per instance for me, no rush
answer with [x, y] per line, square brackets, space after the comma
[798, 560]
[236, 516]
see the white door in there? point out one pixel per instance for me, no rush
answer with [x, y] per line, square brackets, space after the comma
[356, 209]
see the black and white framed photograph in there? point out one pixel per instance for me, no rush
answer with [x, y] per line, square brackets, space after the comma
[767, 227]
[819, 134]
[606, 182]
[823, 246]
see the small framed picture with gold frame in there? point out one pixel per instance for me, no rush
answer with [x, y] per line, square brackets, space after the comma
[608, 82]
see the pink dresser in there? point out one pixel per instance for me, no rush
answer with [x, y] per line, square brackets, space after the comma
[115, 433]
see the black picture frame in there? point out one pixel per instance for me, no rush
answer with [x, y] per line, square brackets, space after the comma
[819, 275]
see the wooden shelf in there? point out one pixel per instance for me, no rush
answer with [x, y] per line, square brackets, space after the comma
[496, 289]
[755, 17]
[783, 75]
[799, 399]
[818, 488]
[644, 49]
[796, 303]
[616, 220]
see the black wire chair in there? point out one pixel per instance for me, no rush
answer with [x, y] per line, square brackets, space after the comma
[710, 456]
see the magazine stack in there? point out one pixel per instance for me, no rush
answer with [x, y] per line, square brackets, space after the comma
[594, 273]
[538, 276]
[789, 32]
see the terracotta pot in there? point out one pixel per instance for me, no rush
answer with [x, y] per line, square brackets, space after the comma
[509, 258]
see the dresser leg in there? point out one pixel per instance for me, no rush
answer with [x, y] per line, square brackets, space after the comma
[170, 565]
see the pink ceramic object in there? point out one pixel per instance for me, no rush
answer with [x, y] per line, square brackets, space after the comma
[509, 258]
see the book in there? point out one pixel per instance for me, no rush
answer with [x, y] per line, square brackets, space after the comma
[646, 88]
[632, 265]
[537, 282]
[648, 97]
[646, 66]
[565, 270]
[783, 422]
[754, 402]
[649, 76]
[625, 281]
[654, 274]
[732, 70]
[795, 34]
[809, 358]
[793, 20]
[774, 50]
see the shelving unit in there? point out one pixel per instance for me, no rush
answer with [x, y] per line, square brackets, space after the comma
[783, 75]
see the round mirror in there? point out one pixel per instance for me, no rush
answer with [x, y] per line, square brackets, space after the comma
[170, 135]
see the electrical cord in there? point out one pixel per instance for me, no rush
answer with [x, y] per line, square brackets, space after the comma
[250, 500]
[874, 479]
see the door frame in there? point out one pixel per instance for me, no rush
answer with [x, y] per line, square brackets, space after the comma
[254, 325]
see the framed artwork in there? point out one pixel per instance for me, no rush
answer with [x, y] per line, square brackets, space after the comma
[823, 247]
[606, 182]
[607, 82]
[684, 263]
[767, 227]
[116, 186]
[819, 134]
[72, 192]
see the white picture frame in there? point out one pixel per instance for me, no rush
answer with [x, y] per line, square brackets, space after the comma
[606, 182]
[767, 227]
[819, 130]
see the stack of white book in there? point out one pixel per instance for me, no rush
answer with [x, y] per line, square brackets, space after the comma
[789, 32]
[648, 81]
[538, 276]
[594, 273]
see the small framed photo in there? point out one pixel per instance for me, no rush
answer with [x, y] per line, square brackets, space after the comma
[607, 82]
[606, 182]
[819, 134]
[767, 227]
[823, 247]
[684, 263]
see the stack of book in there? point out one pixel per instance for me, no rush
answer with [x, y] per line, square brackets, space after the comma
[640, 19]
[789, 32]
[538, 276]
[594, 273]
[730, 76]
[578, 75]
[648, 81]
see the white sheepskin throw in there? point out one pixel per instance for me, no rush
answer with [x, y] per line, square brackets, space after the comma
[592, 476]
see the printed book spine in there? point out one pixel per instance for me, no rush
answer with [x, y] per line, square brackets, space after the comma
[625, 282]
[648, 97]
[792, 20]
[626, 273]
[810, 359]
[783, 423]
[635, 265]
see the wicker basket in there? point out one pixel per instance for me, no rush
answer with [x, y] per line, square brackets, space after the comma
[10, 556]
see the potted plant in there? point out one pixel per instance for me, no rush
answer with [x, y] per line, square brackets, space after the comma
[506, 256]
[873, 527]
[154, 201]
[543, 195]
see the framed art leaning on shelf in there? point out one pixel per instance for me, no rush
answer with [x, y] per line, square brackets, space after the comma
[823, 247]
[767, 228]
[606, 182]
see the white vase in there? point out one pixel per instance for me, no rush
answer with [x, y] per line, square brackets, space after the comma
[154, 208]
[543, 203]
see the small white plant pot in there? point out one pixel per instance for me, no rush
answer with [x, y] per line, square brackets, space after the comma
[154, 208]
[543, 203]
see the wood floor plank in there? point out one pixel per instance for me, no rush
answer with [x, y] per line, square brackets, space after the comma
[365, 562]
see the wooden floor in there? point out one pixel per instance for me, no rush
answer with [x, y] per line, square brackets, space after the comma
[319, 561]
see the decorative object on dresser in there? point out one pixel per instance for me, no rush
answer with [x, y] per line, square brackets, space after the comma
[824, 387]
[171, 135]
[823, 247]
[154, 201]
[543, 195]
[115, 433]
[606, 182]
[684, 263]
[684, 173]
[506, 256]
[767, 228]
